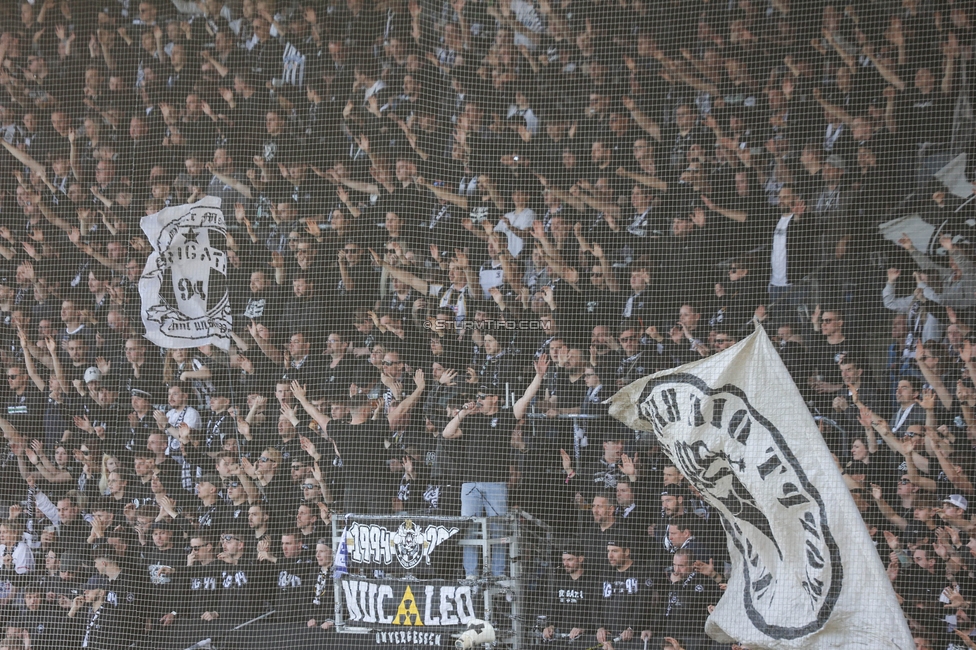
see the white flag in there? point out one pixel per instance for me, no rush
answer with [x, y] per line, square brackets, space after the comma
[184, 289]
[805, 573]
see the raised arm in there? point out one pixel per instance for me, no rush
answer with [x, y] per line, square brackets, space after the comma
[29, 362]
[933, 379]
[230, 180]
[541, 367]
[739, 216]
[886, 72]
[403, 276]
[262, 337]
[453, 429]
[401, 412]
[893, 517]
[957, 477]
[652, 182]
[605, 268]
[320, 418]
[648, 125]
[444, 194]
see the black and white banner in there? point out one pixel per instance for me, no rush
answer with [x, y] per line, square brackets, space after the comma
[432, 606]
[184, 289]
[805, 572]
[410, 544]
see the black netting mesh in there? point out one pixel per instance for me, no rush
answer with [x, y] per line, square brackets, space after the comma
[453, 229]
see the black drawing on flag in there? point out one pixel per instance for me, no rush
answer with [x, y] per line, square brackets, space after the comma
[186, 301]
[744, 467]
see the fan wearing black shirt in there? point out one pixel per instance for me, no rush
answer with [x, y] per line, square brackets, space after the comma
[164, 564]
[573, 597]
[321, 590]
[38, 619]
[484, 491]
[922, 582]
[292, 573]
[24, 402]
[341, 369]
[116, 607]
[197, 593]
[96, 623]
[238, 587]
[361, 445]
[212, 512]
[689, 596]
[629, 604]
[826, 353]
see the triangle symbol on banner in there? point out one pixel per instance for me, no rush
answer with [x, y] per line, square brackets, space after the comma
[406, 610]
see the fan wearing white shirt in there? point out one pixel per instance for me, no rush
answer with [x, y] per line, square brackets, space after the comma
[15, 554]
[180, 413]
[516, 223]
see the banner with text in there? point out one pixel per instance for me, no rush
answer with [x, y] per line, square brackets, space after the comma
[397, 546]
[434, 607]
[805, 572]
[184, 289]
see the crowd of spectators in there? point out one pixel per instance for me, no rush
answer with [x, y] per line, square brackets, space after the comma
[455, 228]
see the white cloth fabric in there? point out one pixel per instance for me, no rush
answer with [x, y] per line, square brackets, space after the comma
[802, 561]
[779, 277]
[184, 289]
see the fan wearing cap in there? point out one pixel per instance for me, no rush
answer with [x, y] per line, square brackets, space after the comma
[629, 608]
[573, 595]
[220, 423]
[954, 510]
[675, 500]
[681, 534]
[140, 418]
[100, 416]
[87, 622]
[73, 572]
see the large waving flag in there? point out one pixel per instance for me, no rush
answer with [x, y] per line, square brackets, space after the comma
[805, 573]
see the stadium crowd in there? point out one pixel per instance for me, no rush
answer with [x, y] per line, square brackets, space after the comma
[454, 229]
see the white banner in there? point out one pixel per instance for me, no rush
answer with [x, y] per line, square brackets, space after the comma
[805, 573]
[184, 289]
